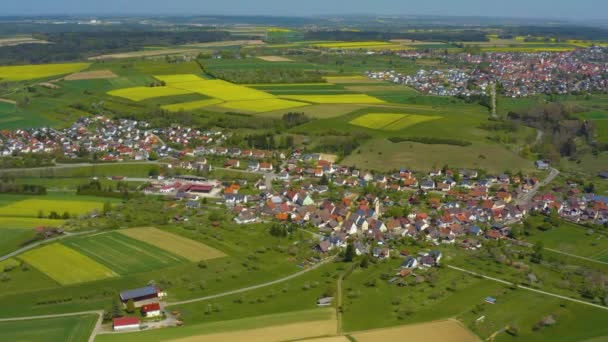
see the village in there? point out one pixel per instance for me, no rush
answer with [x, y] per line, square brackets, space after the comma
[519, 74]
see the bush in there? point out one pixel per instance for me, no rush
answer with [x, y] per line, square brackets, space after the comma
[431, 141]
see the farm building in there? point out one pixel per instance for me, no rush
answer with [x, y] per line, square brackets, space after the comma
[141, 296]
[151, 310]
[325, 301]
[125, 323]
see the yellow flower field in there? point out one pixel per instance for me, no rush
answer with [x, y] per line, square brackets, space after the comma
[191, 105]
[180, 78]
[28, 222]
[144, 93]
[65, 265]
[30, 72]
[340, 99]
[263, 105]
[223, 90]
[390, 121]
[31, 207]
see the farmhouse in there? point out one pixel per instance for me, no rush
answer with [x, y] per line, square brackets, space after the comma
[151, 310]
[125, 323]
[141, 296]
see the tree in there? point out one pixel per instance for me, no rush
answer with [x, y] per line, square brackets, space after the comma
[349, 255]
[537, 255]
[116, 308]
[365, 261]
[324, 180]
[130, 306]
[107, 207]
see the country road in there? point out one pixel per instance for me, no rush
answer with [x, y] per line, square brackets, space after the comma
[527, 288]
[525, 198]
[254, 287]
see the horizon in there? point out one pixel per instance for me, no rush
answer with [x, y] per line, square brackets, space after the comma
[583, 10]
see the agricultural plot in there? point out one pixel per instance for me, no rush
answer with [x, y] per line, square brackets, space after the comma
[391, 121]
[449, 330]
[573, 239]
[358, 45]
[28, 222]
[263, 105]
[222, 90]
[192, 105]
[179, 78]
[349, 79]
[63, 329]
[274, 58]
[338, 99]
[90, 75]
[12, 117]
[32, 207]
[30, 72]
[144, 93]
[53, 261]
[122, 254]
[12, 239]
[189, 249]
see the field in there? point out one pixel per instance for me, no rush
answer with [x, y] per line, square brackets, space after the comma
[192, 105]
[12, 239]
[53, 259]
[90, 75]
[30, 72]
[346, 99]
[439, 331]
[222, 90]
[26, 222]
[32, 207]
[122, 254]
[304, 324]
[274, 58]
[390, 121]
[64, 329]
[13, 117]
[573, 239]
[370, 45]
[189, 249]
[263, 105]
[144, 93]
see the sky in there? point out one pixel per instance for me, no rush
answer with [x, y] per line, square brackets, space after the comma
[579, 10]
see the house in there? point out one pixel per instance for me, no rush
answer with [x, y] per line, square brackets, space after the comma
[139, 295]
[151, 310]
[490, 300]
[541, 165]
[427, 184]
[410, 262]
[324, 246]
[266, 167]
[232, 163]
[125, 323]
[325, 301]
[254, 165]
[603, 174]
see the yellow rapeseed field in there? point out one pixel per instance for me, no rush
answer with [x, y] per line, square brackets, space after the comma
[341, 99]
[263, 105]
[390, 121]
[30, 72]
[144, 93]
[191, 105]
[31, 207]
[223, 90]
[65, 265]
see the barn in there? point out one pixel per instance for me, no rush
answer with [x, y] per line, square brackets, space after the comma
[151, 310]
[125, 323]
[141, 296]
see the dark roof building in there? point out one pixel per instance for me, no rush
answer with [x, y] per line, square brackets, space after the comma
[139, 294]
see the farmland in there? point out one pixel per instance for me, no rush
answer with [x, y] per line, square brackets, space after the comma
[30, 72]
[65, 329]
[193, 105]
[263, 105]
[189, 249]
[346, 99]
[52, 260]
[144, 93]
[32, 207]
[122, 254]
[222, 90]
[391, 122]
[449, 330]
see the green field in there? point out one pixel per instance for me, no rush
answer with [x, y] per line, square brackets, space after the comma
[29, 72]
[13, 117]
[28, 222]
[145, 93]
[64, 329]
[347, 98]
[389, 121]
[122, 254]
[53, 259]
[186, 106]
[32, 207]
[13, 239]
[263, 105]
[573, 239]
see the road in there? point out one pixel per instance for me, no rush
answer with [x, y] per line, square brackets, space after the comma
[34, 245]
[527, 197]
[254, 287]
[528, 288]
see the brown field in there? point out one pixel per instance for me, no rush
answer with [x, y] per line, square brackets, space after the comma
[439, 331]
[189, 249]
[146, 53]
[49, 85]
[274, 59]
[329, 157]
[287, 332]
[328, 339]
[90, 75]
[21, 40]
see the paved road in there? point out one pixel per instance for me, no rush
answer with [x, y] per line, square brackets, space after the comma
[254, 287]
[528, 288]
[34, 245]
[525, 198]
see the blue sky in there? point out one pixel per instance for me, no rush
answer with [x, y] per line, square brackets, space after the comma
[563, 9]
